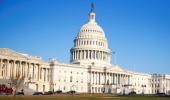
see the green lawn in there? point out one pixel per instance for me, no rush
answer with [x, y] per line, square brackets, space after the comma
[81, 98]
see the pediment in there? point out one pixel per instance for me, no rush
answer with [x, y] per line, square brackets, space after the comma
[11, 53]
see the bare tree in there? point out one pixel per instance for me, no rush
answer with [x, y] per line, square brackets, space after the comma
[16, 82]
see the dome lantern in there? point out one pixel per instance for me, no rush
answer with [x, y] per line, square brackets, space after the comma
[92, 14]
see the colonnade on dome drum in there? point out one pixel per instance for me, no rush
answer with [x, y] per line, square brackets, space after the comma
[77, 54]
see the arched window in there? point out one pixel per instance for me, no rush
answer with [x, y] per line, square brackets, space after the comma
[81, 42]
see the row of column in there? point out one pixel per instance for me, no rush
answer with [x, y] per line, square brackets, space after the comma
[32, 71]
[102, 78]
[88, 42]
[90, 54]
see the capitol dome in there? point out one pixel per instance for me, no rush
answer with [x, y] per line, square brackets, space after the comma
[91, 28]
[90, 44]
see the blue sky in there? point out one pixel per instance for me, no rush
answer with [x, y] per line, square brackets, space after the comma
[137, 30]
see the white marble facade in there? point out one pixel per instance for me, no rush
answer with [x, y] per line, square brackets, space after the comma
[89, 71]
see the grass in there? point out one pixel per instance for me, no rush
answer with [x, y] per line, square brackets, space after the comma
[83, 98]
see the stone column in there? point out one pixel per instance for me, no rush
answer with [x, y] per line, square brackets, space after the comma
[38, 68]
[11, 68]
[72, 55]
[116, 78]
[85, 54]
[44, 74]
[94, 77]
[97, 78]
[16, 67]
[43, 70]
[32, 68]
[97, 56]
[120, 78]
[94, 54]
[21, 69]
[113, 78]
[79, 56]
[91, 54]
[10, 72]
[128, 79]
[105, 56]
[106, 78]
[8, 68]
[40, 74]
[108, 81]
[3, 67]
[28, 70]
[101, 55]
[82, 54]
[47, 74]
[33, 71]
[6, 71]
[101, 78]
[121, 81]
[75, 54]
[88, 54]
[110, 78]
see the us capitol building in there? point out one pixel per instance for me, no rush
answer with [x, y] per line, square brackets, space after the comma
[89, 71]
